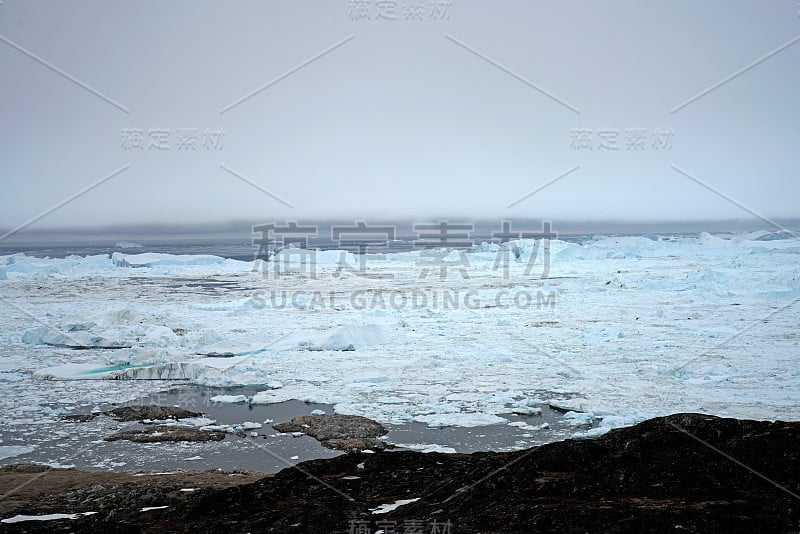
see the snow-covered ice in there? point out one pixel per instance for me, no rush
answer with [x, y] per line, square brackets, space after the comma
[386, 508]
[440, 420]
[229, 399]
[44, 517]
[427, 447]
[624, 328]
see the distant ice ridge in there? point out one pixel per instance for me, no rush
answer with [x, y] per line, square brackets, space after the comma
[22, 266]
[127, 244]
[152, 259]
[766, 235]
[28, 267]
[628, 247]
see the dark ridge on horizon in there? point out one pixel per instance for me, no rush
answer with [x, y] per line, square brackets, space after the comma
[404, 227]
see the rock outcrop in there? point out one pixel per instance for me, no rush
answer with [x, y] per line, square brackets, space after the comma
[342, 432]
[160, 433]
[682, 473]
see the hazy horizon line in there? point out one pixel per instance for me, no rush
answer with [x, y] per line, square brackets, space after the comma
[404, 224]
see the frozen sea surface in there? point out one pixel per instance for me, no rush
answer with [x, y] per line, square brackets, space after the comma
[619, 329]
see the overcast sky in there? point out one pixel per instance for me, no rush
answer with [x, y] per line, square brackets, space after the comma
[458, 109]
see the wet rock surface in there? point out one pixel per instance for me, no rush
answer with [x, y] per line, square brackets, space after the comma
[682, 473]
[153, 412]
[137, 413]
[342, 432]
[161, 433]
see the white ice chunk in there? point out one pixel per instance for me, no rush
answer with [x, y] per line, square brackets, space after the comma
[578, 418]
[526, 410]
[610, 422]
[441, 420]
[44, 517]
[230, 399]
[386, 508]
[427, 447]
[574, 404]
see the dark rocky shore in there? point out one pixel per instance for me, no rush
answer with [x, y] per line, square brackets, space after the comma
[682, 473]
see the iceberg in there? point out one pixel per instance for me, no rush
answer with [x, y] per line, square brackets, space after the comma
[345, 338]
[75, 340]
[152, 259]
[198, 370]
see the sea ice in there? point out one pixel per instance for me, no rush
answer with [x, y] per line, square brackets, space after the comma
[230, 399]
[640, 327]
[9, 451]
[345, 338]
